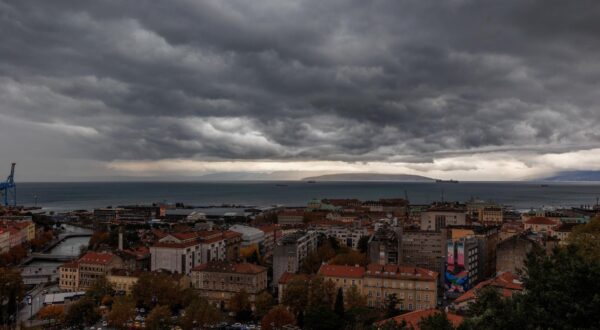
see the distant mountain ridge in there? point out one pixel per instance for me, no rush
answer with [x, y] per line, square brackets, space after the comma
[369, 177]
[573, 176]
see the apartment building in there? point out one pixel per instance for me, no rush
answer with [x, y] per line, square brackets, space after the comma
[81, 274]
[440, 217]
[180, 252]
[291, 251]
[415, 287]
[344, 276]
[218, 281]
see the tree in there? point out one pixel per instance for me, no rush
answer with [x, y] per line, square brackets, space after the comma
[437, 321]
[276, 318]
[241, 306]
[159, 318]
[349, 258]
[354, 299]
[561, 292]
[321, 293]
[82, 312]
[157, 289]
[321, 318]
[587, 239]
[201, 313]
[123, 310]
[363, 244]
[11, 292]
[295, 295]
[264, 302]
[101, 288]
[55, 313]
[339, 303]
[393, 325]
[391, 305]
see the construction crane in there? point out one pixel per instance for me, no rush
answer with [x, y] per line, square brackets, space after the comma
[8, 189]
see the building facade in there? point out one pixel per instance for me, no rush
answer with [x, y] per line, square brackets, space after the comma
[291, 251]
[218, 281]
[415, 287]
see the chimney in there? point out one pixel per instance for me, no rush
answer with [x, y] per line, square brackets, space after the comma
[120, 238]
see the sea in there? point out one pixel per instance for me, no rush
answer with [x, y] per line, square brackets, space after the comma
[64, 196]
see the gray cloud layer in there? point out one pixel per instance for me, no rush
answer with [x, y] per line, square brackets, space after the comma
[297, 80]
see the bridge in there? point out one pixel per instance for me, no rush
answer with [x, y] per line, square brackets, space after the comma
[52, 257]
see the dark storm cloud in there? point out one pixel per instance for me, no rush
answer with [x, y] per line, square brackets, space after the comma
[327, 80]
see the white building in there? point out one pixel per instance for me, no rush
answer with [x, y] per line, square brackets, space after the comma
[439, 218]
[250, 235]
[291, 252]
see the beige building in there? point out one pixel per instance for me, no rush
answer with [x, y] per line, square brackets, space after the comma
[4, 241]
[415, 287]
[122, 280]
[540, 225]
[343, 276]
[68, 278]
[218, 281]
[81, 275]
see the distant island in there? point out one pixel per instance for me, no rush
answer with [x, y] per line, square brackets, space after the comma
[369, 177]
[573, 176]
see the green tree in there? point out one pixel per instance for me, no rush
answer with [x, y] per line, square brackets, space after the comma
[354, 299]
[587, 239]
[321, 318]
[321, 293]
[561, 292]
[339, 303]
[391, 305]
[159, 318]
[437, 321]
[393, 325]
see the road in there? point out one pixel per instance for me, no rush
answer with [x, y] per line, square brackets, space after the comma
[37, 302]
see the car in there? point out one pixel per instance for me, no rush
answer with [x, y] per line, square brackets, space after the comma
[104, 323]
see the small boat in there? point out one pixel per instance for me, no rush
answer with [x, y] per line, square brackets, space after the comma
[311, 181]
[281, 185]
[544, 186]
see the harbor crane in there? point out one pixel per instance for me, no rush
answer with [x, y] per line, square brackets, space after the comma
[8, 189]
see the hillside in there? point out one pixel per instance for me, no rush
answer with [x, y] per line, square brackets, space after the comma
[369, 177]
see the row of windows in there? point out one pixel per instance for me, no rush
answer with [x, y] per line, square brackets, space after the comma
[401, 295]
[394, 284]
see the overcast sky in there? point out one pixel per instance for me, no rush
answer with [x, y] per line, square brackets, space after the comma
[472, 90]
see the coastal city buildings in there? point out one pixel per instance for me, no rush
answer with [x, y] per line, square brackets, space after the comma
[81, 274]
[291, 251]
[415, 287]
[218, 281]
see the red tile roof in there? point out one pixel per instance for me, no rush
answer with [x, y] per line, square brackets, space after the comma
[227, 267]
[413, 319]
[70, 264]
[342, 271]
[96, 258]
[399, 271]
[507, 282]
[540, 221]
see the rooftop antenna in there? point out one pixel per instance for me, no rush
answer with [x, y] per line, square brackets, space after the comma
[442, 195]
